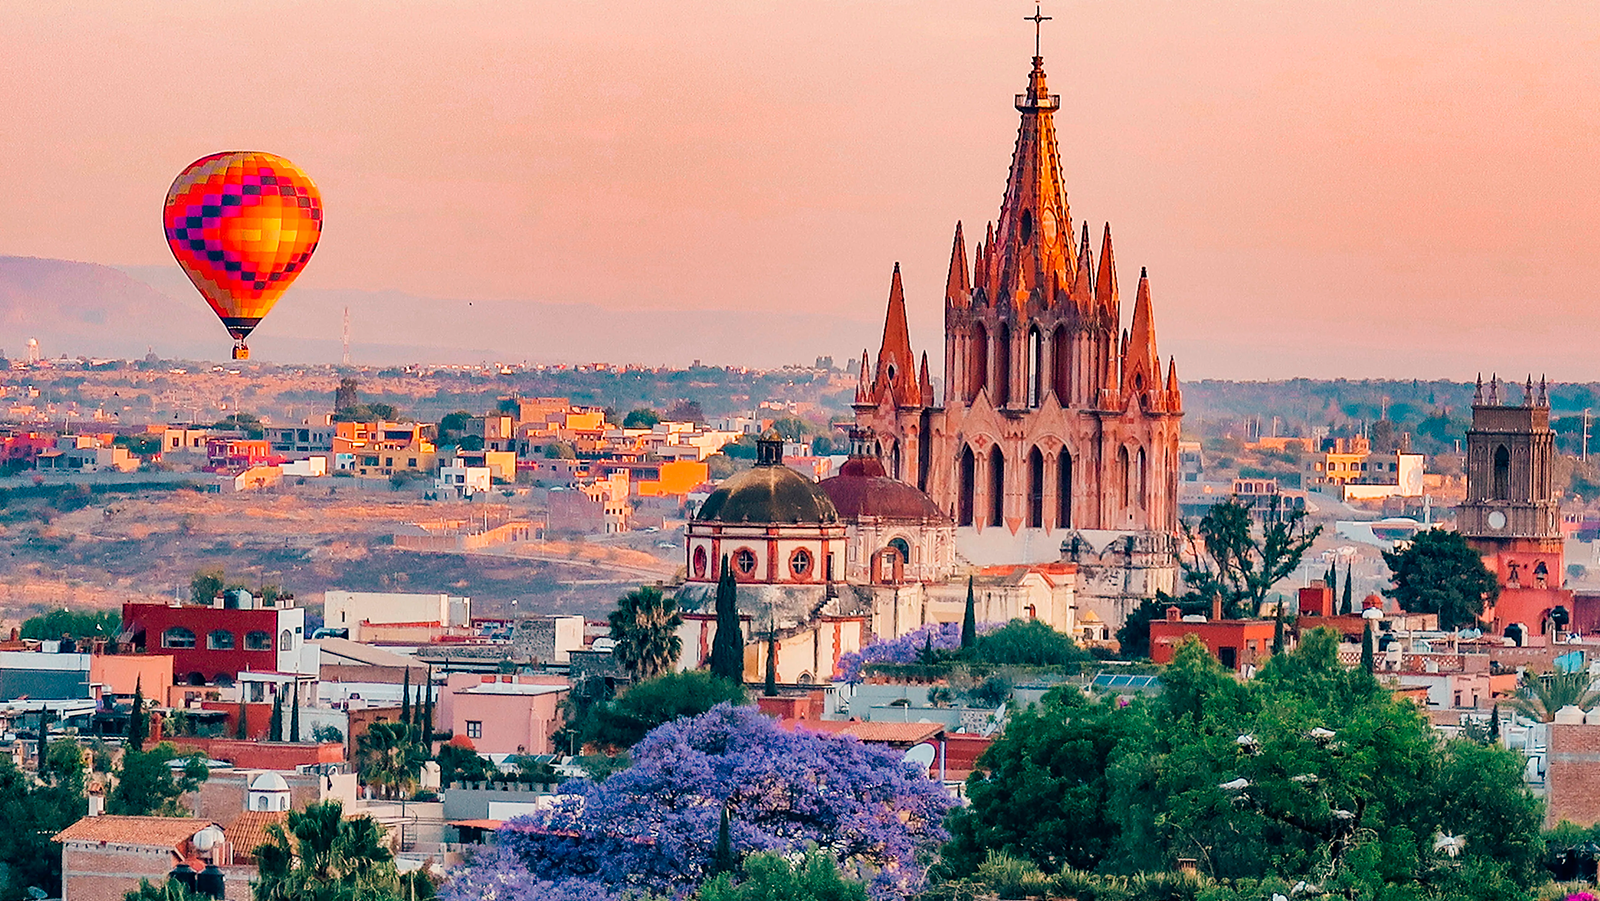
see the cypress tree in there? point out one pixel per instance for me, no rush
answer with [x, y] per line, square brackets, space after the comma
[722, 859]
[1367, 661]
[1333, 580]
[1277, 631]
[275, 725]
[405, 699]
[294, 719]
[727, 647]
[1347, 608]
[427, 708]
[969, 620]
[138, 726]
[1494, 723]
[242, 729]
[771, 690]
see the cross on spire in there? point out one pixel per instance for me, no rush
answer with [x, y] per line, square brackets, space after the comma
[1038, 18]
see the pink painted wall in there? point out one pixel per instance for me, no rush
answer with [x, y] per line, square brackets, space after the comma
[510, 723]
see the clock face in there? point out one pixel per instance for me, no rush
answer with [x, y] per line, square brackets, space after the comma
[1497, 520]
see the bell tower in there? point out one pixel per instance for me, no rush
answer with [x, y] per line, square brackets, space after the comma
[1510, 500]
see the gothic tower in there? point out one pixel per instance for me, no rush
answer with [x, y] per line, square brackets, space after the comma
[1057, 433]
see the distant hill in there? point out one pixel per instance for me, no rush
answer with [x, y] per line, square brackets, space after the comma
[86, 309]
[92, 310]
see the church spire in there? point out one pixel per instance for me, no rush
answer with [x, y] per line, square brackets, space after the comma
[1035, 225]
[1139, 361]
[1105, 284]
[957, 286]
[896, 374]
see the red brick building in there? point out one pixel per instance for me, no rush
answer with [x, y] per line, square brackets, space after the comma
[1238, 643]
[211, 644]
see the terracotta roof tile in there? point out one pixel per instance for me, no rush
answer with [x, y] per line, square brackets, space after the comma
[160, 832]
[877, 733]
[249, 830]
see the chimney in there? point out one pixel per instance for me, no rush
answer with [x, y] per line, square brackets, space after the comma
[1174, 614]
[1216, 608]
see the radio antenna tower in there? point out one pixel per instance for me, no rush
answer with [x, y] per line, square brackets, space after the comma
[347, 336]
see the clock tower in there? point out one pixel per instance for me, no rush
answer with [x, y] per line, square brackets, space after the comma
[1512, 515]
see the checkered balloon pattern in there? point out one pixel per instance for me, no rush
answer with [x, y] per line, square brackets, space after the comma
[243, 225]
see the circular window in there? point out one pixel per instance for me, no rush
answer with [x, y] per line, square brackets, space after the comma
[800, 562]
[744, 561]
[699, 563]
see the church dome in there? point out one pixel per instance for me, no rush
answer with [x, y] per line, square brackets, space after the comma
[269, 782]
[769, 492]
[862, 489]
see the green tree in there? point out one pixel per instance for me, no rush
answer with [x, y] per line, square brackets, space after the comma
[405, 698]
[388, 756]
[241, 726]
[1026, 642]
[1229, 557]
[620, 723]
[1368, 660]
[1538, 697]
[138, 719]
[770, 876]
[71, 624]
[33, 811]
[727, 646]
[322, 856]
[458, 764]
[722, 859]
[275, 725]
[641, 418]
[294, 719]
[645, 628]
[165, 890]
[969, 620]
[206, 585]
[1347, 606]
[770, 689]
[1440, 573]
[1133, 637]
[147, 784]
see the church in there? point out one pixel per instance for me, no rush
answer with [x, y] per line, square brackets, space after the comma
[1056, 436]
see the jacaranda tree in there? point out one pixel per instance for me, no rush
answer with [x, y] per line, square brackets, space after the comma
[653, 827]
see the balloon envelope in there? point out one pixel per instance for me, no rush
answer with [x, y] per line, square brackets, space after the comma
[243, 225]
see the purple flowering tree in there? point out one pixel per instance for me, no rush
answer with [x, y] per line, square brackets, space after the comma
[907, 648]
[653, 827]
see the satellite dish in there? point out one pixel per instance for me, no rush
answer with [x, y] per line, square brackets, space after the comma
[922, 755]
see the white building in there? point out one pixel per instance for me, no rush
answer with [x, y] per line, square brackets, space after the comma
[349, 609]
[463, 479]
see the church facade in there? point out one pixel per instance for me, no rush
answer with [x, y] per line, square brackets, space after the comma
[1056, 438]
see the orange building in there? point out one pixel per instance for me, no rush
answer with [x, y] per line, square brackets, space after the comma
[676, 478]
[1238, 643]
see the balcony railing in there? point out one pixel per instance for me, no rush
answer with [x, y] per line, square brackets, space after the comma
[1047, 102]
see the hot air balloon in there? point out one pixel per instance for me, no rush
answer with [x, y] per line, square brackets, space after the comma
[242, 225]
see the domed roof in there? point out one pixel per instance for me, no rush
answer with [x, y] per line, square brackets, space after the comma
[768, 492]
[268, 782]
[862, 489]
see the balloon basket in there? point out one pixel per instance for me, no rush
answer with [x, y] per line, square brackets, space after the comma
[240, 352]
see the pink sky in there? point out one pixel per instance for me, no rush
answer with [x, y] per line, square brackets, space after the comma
[1317, 188]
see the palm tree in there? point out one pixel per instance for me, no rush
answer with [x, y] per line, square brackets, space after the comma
[1539, 697]
[322, 856]
[389, 757]
[645, 628]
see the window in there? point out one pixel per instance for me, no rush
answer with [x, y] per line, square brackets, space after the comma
[800, 563]
[900, 545]
[474, 728]
[1064, 490]
[997, 488]
[388, 461]
[412, 462]
[1061, 356]
[1035, 367]
[1035, 489]
[286, 641]
[257, 641]
[220, 640]
[1502, 474]
[744, 561]
[969, 466]
[177, 637]
[1002, 366]
[978, 379]
[699, 563]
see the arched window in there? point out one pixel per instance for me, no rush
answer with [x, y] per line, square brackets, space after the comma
[894, 460]
[285, 641]
[1002, 366]
[257, 641]
[1502, 473]
[1061, 356]
[220, 640]
[177, 637]
[997, 487]
[1035, 367]
[1035, 489]
[1124, 476]
[969, 476]
[1138, 478]
[1064, 490]
[900, 545]
[978, 379]
[699, 563]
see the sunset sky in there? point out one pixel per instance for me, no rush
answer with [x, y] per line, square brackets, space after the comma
[1318, 189]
